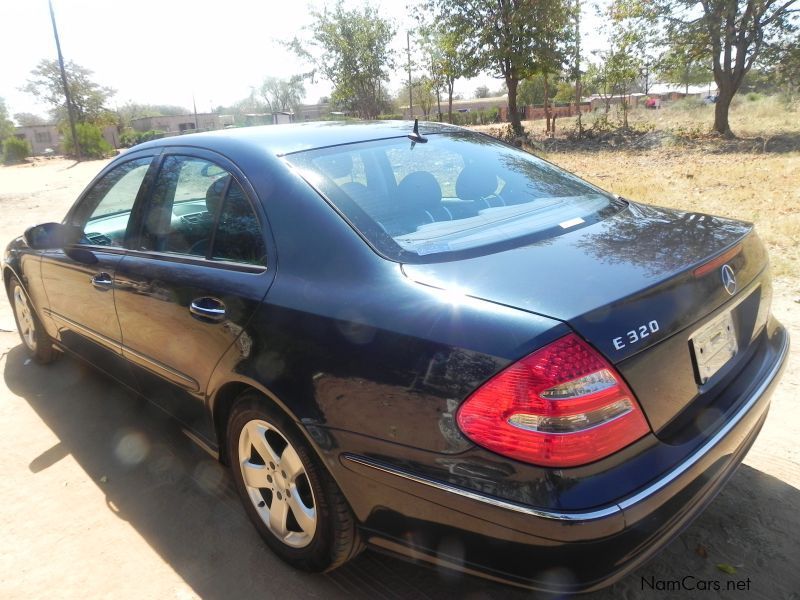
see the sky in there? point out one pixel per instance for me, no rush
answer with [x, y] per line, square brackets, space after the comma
[171, 51]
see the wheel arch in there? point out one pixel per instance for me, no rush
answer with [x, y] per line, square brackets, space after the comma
[221, 403]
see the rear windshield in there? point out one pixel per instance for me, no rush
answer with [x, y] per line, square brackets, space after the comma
[458, 192]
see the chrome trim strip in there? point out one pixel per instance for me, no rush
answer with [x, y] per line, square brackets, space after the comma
[90, 333]
[609, 510]
[153, 365]
[505, 504]
[166, 371]
[200, 442]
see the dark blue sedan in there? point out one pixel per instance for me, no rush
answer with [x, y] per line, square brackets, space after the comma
[418, 339]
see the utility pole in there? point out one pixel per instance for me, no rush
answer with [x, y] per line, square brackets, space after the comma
[578, 65]
[70, 110]
[408, 53]
[194, 106]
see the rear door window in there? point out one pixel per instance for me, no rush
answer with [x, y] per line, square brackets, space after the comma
[180, 215]
[199, 209]
[238, 235]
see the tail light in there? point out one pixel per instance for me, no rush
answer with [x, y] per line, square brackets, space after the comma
[562, 406]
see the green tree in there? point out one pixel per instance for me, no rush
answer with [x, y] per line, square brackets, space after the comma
[15, 150]
[90, 140]
[89, 99]
[679, 67]
[445, 59]
[511, 39]
[283, 94]
[6, 126]
[531, 91]
[482, 91]
[351, 49]
[26, 119]
[624, 61]
[425, 94]
[565, 92]
[135, 110]
[781, 67]
[729, 35]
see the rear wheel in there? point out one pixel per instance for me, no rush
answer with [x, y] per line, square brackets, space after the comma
[292, 500]
[36, 341]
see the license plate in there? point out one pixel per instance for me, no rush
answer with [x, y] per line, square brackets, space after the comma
[714, 345]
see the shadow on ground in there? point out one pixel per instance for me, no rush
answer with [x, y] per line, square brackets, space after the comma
[182, 502]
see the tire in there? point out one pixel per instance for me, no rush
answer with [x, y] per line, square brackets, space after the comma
[289, 496]
[38, 344]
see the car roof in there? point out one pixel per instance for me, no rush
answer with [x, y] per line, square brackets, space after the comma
[285, 139]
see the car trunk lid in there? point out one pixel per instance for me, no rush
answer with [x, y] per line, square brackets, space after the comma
[629, 285]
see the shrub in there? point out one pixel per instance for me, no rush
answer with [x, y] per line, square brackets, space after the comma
[90, 138]
[391, 117]
[754, 96]
[15, 150]
[131, 138]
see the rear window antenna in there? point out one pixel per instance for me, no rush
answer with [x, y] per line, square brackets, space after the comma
[415, 136]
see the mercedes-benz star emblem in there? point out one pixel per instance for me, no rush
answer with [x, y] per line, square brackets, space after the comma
[728, 279]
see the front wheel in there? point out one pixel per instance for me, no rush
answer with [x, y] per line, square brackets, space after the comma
[33, 336]
[292, 500]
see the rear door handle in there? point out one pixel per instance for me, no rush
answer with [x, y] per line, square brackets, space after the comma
[207, 309]
[102, 281]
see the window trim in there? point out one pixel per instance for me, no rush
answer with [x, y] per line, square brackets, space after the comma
[199, 261]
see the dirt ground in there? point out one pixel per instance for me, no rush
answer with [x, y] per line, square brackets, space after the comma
[102, 496]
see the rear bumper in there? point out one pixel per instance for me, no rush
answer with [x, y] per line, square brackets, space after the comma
[568, 551]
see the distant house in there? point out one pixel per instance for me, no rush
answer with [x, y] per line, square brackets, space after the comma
[279, 117]
[599, 102]
[312, 112]
[182, 123]
[40, 137]
[44, 137]
[668, 91]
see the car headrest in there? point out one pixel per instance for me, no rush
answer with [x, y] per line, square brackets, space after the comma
[336, 165]
[420, 190]
[214, 194]
[474, 183]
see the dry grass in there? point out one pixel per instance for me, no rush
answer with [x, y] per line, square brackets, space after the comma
[754, 186]
[762, 188]
[762, 117]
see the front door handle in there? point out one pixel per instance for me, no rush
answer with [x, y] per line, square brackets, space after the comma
[102, 281]
[207, 309]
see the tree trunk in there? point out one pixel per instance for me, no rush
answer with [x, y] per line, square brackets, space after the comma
[721, 109]
[450, 85]
[546, 105]
[439, 104]
[513, 115]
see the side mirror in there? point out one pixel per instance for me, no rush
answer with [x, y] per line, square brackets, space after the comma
[51, 236]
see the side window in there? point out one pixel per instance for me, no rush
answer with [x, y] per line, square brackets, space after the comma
[238, 235]
[180, 216]
[190, 197]
[106, 209]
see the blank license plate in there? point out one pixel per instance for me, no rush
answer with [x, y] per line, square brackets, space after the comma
[714, 345]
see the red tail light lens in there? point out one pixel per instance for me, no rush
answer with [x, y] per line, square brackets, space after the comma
[562, 406]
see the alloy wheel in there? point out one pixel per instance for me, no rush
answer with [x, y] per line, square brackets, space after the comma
[27, 326]
[277, 484]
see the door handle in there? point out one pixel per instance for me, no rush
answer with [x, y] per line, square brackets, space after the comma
[102, 281]
[207, 309]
